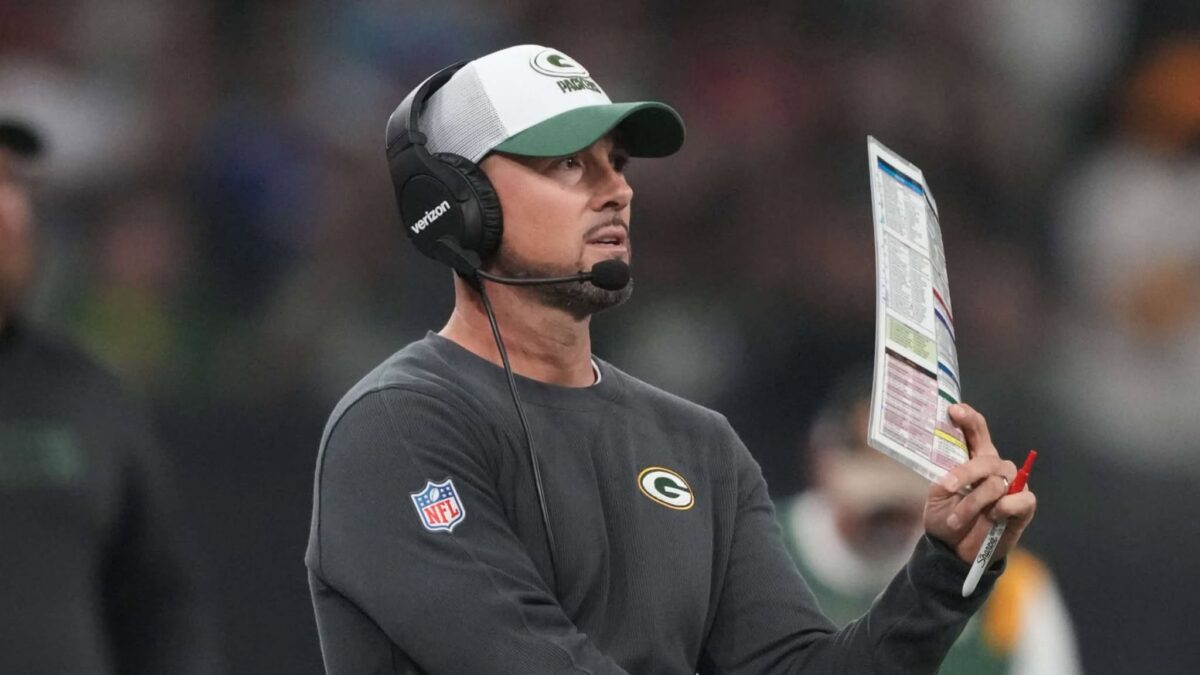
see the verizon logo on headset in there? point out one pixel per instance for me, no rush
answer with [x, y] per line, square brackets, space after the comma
[431, 216]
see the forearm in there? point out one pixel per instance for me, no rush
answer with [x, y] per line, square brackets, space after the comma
[918, 617]
[769, 622]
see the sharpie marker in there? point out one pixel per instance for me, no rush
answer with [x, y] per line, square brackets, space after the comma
[988, 548]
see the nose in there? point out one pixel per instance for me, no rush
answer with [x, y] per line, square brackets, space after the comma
[612, 190]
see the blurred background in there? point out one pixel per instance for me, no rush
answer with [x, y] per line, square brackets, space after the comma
[217, 226]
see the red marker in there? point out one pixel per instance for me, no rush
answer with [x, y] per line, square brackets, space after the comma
[988, 548]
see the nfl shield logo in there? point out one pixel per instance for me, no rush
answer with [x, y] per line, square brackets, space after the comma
[438, 506]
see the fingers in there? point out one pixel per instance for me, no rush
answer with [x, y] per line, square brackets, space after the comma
[1017, 510]
[1020, 506]
[972, 471]
[983, 475]
[975, 428]
[982, 497]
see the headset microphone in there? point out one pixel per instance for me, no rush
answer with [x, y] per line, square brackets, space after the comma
[611, 275]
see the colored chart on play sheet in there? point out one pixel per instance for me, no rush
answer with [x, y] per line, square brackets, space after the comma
[916, 361]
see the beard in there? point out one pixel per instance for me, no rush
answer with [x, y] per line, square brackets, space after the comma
[580, 299]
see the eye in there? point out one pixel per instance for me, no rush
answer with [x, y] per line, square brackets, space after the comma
[570, 162]
[620, 162]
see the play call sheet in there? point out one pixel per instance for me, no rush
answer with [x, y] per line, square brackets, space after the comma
[916, 363]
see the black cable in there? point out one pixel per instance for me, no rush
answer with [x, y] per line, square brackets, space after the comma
[537, 472]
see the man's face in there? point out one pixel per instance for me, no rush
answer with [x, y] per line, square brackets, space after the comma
[561, 216]
[877, 502]
[16, 231]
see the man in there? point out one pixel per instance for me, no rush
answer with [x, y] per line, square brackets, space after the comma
[91, 573]
[852, 531]
[642, 540]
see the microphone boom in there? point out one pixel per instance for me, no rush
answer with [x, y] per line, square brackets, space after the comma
[611, 275]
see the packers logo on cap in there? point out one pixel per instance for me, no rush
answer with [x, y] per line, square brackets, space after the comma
[666, 487]
[556, 64]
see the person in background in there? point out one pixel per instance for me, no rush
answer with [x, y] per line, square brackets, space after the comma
[1122, 367]
[92, 572]
[1129, 246]
[856, 527]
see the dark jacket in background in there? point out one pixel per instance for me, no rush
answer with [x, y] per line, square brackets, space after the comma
[92, 575]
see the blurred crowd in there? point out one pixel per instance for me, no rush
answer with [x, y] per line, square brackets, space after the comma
[216, 224]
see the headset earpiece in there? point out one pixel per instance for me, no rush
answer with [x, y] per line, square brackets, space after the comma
[484, 239]
[447, 204]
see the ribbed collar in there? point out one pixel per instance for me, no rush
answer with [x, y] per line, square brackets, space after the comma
[532, 392]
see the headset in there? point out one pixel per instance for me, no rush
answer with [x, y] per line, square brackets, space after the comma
[447, 204]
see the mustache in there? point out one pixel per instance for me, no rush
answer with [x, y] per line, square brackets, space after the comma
[609, 223]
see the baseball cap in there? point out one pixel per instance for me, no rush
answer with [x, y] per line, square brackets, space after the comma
[537, 101]
[19, 137]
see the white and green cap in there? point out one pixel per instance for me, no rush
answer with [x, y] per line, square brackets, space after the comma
[536, 101]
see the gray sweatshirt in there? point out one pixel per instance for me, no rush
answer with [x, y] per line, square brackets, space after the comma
[427, 552]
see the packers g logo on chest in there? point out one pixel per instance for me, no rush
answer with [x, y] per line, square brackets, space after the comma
[665, 487]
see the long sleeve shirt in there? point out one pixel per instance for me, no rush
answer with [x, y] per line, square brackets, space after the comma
[428, 553]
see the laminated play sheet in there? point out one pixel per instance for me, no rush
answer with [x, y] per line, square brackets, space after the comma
[916, 362]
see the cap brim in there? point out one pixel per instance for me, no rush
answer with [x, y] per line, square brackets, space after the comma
[19, 138]
[648, 129]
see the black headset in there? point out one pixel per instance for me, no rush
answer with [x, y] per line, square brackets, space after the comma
[447, 204]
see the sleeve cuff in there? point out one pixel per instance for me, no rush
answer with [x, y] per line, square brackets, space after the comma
[936, 569]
